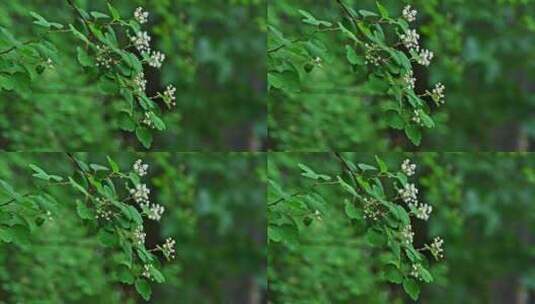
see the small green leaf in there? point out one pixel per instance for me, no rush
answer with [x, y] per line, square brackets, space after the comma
[83, 211]
[394, 120]
[78, 34]
[125, 276]
[346, 186]
[143, 288]
[351, 211]
[365, 13]
[392, 274]
[414, 134]
[382, 10]
[98, 15]
[382, 165]
[144, 136]
[113, 165]
[114, 13]
[352, 56]
[83, 57]
[411, 288]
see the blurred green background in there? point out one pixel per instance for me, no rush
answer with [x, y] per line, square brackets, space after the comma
[484, 54]
[483, 207]
[214, 56]
[214, 206]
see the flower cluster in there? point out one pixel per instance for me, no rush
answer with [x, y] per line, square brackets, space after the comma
[154, 211]
[417, 118]
[409, 80]
[141, 41]
[409, 193]
[141, 16]
[372, 209]
[415, 271]
[148, 121]
[103, 57]
[102, 209]
[146, 272]
[409, 14]
[436, 248]
[140, 168]
[155, 59]
[140, 194]
[169, 95]
[168, 248]
[407, 235]
[425, 57]
[410, 40]
[421, 210]
[139, 236]
[140, 82]
[438, 93]
[372, 56]
[408, 168]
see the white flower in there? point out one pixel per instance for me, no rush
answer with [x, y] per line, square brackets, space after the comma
[155, 212]
[417, 118]
[410, 80]
[156, 59]
[146, 271]
[372, 209]
[103, 57]
[141, 41]
[409, 14]
[371, 56]
[408, 168]
[409, 193]
[141, 16]
[438, 93]
[436, 248]
[168, 248]
[139, 236]
[140, 82]
[140, 194]
[421, 210]
[140, 168]
[425, 57]
[102, 209]
[169, 95]
[49, 63]
[148, 121]
[410, 40]
[415, 271]
[407, 235]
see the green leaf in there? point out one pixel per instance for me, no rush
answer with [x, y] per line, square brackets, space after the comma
[365, 13]
[98, 15]
[77, 186]
[41, 174]
[392, 274]
[411, 288]
[426, 275]
[346, 186]
[382, 165]
[83, 57]
[414, 134]
[347, 32]
[394, 120]
[311, 174]
[365, 167]
[382, 10]
[143, 288]
[83, 211]
[126, 122]
[352, 56]
[427, 120]
[144, 136]
[78, 34]
[40, 20]
[351, 211]
[114, 13]
[156, 274]
[96, 167]
[157, 121]
[113, 165]
[125, 276]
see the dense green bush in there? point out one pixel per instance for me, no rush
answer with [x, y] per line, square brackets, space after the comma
[81, 229]
[325, 212]
[340, 77]
[71, 75]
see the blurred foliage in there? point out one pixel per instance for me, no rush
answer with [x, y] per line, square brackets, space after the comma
[212, 50]
[483, 55]
[213, 208]
[482, 207]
